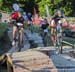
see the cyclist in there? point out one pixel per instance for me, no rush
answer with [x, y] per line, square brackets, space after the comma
[44, 25]
[15, 18]
[44, 30]
[56, 24]
[30, 23]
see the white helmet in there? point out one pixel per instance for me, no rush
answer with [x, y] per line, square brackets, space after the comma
[16, 7]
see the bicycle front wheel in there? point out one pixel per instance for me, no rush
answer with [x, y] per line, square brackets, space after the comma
[20, 40]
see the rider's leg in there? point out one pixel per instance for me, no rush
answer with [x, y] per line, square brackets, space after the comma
[14, 34]
[53, 37]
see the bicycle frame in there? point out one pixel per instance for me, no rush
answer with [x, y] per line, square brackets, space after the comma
[20, 36]
[59, 39]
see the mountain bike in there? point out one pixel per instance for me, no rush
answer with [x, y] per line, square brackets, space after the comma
[19, 37]
[56, 37]
[59, 41]
[19, 43]
[59, 36]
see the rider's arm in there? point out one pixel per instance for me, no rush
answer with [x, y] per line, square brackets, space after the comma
[9, 20]
[53, 17]
[63, 15]
[64, 18]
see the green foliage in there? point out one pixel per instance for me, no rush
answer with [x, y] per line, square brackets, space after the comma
[2, 29]
[5, 43]
[42, 5]
[4, 39]
[66, 5]
[1, 2]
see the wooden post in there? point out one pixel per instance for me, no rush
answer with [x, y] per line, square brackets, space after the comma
[9, 64]
[61, 48]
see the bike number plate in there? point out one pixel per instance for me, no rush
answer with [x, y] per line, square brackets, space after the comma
[45, 30]
[19, 24]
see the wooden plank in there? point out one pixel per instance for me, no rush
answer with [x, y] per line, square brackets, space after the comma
[32, 61]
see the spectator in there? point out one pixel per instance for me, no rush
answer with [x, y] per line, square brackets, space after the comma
[0, 16]
[44, 26]
[25, 17]
[30, 24]
[29, 17]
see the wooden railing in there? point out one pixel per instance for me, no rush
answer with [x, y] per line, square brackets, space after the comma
[70, 44]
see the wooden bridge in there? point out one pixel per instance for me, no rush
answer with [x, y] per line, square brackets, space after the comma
[38, 60]
[32, 61]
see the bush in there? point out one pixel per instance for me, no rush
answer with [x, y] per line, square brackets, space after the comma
[5, 43]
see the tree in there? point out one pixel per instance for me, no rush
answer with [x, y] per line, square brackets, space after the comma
[66, 5]
[1, 3]
[73, 7]
[6, 5]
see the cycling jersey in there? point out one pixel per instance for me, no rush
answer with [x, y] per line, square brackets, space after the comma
[58, 15]
[44, 24]
[29, 16]
[16, 19]
[56, 18]
[14, 15]
[20, 20]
